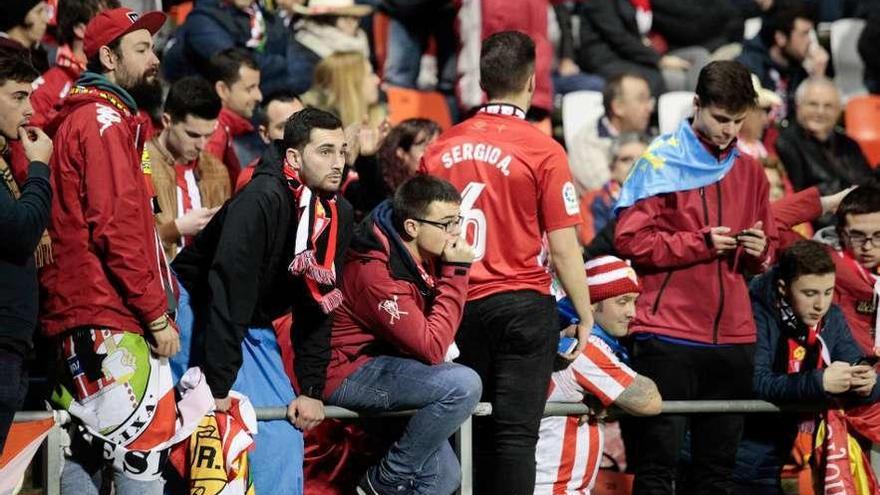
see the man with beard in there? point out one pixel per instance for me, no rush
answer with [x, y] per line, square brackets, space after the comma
[277, 245]
[108, 290]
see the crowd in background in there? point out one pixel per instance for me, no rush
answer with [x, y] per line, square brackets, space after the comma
[202, 105]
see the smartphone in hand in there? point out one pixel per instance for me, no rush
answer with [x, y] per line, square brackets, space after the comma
[566, 345]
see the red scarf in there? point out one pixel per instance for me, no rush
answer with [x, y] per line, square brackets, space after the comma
[316, 234]
[873, 281]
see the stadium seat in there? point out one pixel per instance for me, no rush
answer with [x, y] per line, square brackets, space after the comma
[673, 107]
[406, 103]
[863, 124]
[580, 108]
[849, 69]
[751, 27]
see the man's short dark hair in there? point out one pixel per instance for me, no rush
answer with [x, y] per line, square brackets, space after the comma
[74, 12]
[225, 65]
[614, 87]
[726, 84]
[16, 65]
[860, 201]
[298, 129]
[804, 257]
[413, 198]
[94, 64]
[782, 19]
[192, 96]
[261, 116]
[507, 60]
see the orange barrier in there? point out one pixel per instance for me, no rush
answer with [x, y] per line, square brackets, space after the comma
[406, 103]
[863, 125]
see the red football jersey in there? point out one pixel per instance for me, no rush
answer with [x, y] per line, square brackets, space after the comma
[515, 186]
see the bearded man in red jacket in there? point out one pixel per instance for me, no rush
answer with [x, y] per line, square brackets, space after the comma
[695, 219]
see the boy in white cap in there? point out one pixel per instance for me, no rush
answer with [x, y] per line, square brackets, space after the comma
[569, 450]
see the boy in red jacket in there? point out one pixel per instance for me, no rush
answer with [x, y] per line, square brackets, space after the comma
[404, 289]
[696, 217]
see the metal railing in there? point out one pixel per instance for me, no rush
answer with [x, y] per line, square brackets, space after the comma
[53, 448]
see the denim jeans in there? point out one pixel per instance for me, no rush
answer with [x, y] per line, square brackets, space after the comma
[444, 395]
[82, 473]
[510, 339]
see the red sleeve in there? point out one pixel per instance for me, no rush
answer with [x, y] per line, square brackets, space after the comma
[795, 209]
[558, 205]
[115, 207]
[388, 308]
[638, 237]
[765, 214]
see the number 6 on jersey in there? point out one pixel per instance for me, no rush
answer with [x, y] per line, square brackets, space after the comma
[473, 217]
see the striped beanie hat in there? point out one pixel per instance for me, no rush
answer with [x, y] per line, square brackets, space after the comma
[610, 276]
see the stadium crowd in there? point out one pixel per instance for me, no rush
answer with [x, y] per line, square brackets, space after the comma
[213, 207]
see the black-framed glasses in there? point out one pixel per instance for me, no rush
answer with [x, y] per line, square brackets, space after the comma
[859, 239]
[448, 227]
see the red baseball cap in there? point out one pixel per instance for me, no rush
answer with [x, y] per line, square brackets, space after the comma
[110, 25]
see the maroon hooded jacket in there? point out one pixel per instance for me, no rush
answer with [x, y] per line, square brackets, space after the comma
[107, 257]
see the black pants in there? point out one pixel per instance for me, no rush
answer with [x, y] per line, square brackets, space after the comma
[691, 373]
[13, 387]
[510, 339]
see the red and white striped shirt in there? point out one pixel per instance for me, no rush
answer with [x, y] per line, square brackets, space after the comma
[567, 455]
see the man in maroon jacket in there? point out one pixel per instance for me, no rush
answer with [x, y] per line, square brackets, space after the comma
[405, 285]
[108, 290]
[692, 246]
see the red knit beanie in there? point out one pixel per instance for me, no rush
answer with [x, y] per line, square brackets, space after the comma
[609, 276]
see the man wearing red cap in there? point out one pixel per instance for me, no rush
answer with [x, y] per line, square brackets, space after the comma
[570, 450]
[109, 291]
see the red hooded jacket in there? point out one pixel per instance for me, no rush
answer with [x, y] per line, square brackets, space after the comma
[689, 292]
[106, 269]
[389, 309]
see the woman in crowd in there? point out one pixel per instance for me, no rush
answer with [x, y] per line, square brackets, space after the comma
[346, 85]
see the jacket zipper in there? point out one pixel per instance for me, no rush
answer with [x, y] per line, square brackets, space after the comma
[720, 278]
[660, 294]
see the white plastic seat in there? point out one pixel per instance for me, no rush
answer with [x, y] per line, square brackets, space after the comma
[849, 69]
[580, 108]
[672, 108]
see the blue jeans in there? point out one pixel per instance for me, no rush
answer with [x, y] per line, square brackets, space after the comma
[445, 395]
[82, 473]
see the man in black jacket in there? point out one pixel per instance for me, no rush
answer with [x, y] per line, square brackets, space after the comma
[24, 215]
[279, 244]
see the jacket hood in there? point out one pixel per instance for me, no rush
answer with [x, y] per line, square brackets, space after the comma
[271, 161]
[828, 236]
[74, 100]
[376, 238]
[762, 290]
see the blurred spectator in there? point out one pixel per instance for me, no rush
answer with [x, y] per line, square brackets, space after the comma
[23, 25]
[345, 85]
[617, 37]
[783, 54]
[758, 120]
[625, 150]
[479, 19]
[215, 26]
[518, 201]
[270, 117]
[805, 354]
[868, 43]
[190, 185]
[404, 289]
[695, 218]
[70, 61]
[696, 23]
[567, 76]
[628, 106]
[327, 27]
[276, 248]
[109, 279]
[25, 215]
[397, 159]
[413, 24]
[570, 449]
[236, 79]
[813, 150]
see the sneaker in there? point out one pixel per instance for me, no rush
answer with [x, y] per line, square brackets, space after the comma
[369, 485]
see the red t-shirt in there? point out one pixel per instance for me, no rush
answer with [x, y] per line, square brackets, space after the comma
[516, 186]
